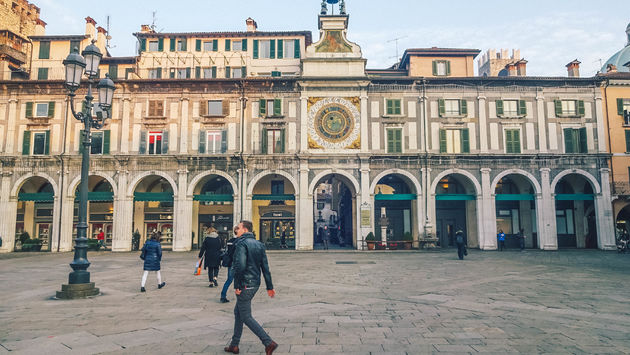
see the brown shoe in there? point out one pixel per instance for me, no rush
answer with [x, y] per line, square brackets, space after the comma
[270, 348]
[232, 349]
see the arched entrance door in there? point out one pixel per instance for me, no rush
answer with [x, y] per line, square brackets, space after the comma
[456, 209]
[395, 209]
[273, 212]
[515, 203]
[575, 213]
[622, 222]
[100, 209]
[213, 206]
[153, 209]
[334, 213]
[35, 212]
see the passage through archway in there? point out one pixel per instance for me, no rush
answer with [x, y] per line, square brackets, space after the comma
[35, 213]
[515, 204]
[456, 209]
[100, 216]
[273, 211]
[153, 209]
[576, 223]
[334, 213]
[213, 206]
[395, 209]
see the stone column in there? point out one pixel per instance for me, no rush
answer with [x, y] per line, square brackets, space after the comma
[365, 201]
[365, 143]
[303, 123]
[542, 126]
[429, 237]
[486, 213]
[8, 214]
[66, 242]
[546, 210]
[304, 211]
[483, 125]
[55, 227]
[123, 215]
[604, 214]
[182, 210]
[125, 126]
[599, 116]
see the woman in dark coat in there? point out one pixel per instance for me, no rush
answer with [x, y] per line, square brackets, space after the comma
[211, 252]
[152, 256]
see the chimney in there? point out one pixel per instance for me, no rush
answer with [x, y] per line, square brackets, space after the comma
[521, 67]
[90, 27]
[146, 29]
[573, 68]
[40, 27]
[101, 40]
[511, 69]
[611, 68]
[252, 26]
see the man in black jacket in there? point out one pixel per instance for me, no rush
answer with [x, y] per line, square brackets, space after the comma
[250, 259]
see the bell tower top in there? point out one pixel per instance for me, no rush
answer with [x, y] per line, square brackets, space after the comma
[342, 7]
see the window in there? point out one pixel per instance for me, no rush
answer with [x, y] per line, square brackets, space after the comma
[75, 44]
[113, 71]
[623, 109]
[97, 143]
[214, 141]
[394, 140]
[575, 140]
[40, 143]
[44, 50]
[180, 73]
[511, 108]
[41, 110]
[128, 72]
[265, 49]
[289, 48]
[627, 141]
[155, 73]
[100, 142]
[42, 74]
[210, 73]
[276, 74]
[277, 187]
[569, 108]
[210, 46]
[452, 108]
[181, 45]
[454, 141]
[156, 108]
[155, 142]
[272, 141]
[239, 46]
[154, 46]
[239, 72]
[512, 141]
[393, 107]
[441, 68]
[270, 108]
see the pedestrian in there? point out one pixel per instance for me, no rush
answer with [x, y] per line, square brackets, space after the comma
[501, 237]
[152, 256]
[211, 254]
[283, 238]
[227, 262]
[250, 259]
[521, 239]
[326, 237]
[101, 238]
[461, 244]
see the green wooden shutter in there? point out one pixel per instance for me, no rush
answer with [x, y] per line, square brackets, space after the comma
[282, 140]
[516, 141]
[568, 141]
[161, 45]
[198, 45]
[398, 140]
[280, 49]
[448, 67]
[165, 142]
[262, 108]
[214, 72]
[463, 107]
[202, 141]
[390, 106]
[296, 49]
[143, 45]
[227, 72]
[244, 45]
[197, 72]
[263, 141]
[580, 108]
[223, 141]
[272, 49]
[113, 71]
[51, 109]
[522, 108]
[106, 141]
[620, 107]
[434, 67]
[47, 145]
[228, 45]
[42, 74]
[215, 45]
[277, 107]
[26, 143]
[173, 44]
[142, 148]
[29, 109]
[390, 141]
[441, 107]
[172, 73]
[243, 72]
[508, 141]
[255, 49]
[397, 108]
[558, 107]
[158, 72]
[188, 70]
[627, 141]
[184, 44]
[44, 50]
[499, 108]
[443, 141]
[583, 140]
[465, 140]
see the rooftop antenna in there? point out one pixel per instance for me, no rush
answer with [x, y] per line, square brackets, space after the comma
[396, 40]
[108, 37]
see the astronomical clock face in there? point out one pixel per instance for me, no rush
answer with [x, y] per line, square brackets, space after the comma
[333, 124]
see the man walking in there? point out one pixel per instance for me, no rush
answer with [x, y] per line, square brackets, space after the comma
[461, 244]
[227, 263]
[250, 259]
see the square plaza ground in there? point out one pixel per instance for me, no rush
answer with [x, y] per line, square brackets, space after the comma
[339, 302]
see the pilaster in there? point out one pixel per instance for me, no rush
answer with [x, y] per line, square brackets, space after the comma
[483, 124]
[546, 209]
[125, 127]
[605, 217]
[182, 210]
[304, 211]
[11, 125]
[183, 126]
[542, 126]
[123, 215]
[486, 215]
[365, 201]
[8, 214]
[601, 131]
[365, 143]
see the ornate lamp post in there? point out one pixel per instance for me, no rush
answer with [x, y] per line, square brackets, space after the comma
[79, 285]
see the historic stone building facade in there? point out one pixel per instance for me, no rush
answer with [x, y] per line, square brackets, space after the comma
[417, 155]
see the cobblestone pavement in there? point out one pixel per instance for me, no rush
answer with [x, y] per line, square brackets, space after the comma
[339, 302]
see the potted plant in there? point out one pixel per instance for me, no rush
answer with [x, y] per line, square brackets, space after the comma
[24, 236]
[370, 240]
[408, 240]
[135, 240]
[32, 245]
[93, 244]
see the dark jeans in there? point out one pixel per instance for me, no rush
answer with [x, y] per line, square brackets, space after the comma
[460, 251]
[501, 245]
[228, 282]
[522, 243]
[213, 272]
[243, 314]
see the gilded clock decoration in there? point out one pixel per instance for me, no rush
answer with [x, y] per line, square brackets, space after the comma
[333, 123]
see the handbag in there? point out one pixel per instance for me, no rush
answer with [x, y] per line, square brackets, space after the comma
[226, 259]
[198, 267]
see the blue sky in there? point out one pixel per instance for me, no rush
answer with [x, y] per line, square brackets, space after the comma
[549, 33]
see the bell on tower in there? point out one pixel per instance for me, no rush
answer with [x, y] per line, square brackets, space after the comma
[342, 7]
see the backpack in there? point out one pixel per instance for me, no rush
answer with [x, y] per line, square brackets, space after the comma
[459, 239]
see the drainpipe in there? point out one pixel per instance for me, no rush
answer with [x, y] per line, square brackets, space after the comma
[612, 172]
[62, 178]
[243, 101]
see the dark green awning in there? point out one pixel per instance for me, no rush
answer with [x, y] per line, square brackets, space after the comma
[97, 196]
[515, 197]
[395, 197]
[575, 197]
[213, 198]
[153, 196]
[455, 197]
[37, 197]
[273, 197]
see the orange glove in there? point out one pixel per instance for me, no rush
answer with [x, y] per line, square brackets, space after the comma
[271, 293]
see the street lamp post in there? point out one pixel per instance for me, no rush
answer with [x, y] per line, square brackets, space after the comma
[79, 285]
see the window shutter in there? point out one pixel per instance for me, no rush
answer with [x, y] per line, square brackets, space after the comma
[463, 107]
[558, 106]
[441, 107]
[580, 108]
[184, 44]
[516, 141]
[522, 108]
[390, 107]
[81, 139]
[390, 141]
[51, 109]
[568, 140]
[165, 142]
[26, 143]
[198, 45]
[508, 141]
[227, 72]
[142, 149]
[262, 108]
[143, 45]
[203, 108]
[499, 108]
[277, 107]
[172, 73]
[448, 67]
[434, 67]
[106, 141]
[228, 45]
[398, 140]
[442, 141]
[113, 71]
[296, 49]
[244, 45]
[223, 141]
[465, 141]
[197, 72]
[282, 139]
[173, 44]
[29, 109]
[272, 49]
[243, 72]
[263, 143]
[583, 141]
[187, 73]
[627, 141]
[226, 107]
[158, 71]
[47, 145]
[620, 107]
[280, 49]
[214, 72]
[255, 49]
[397, 108]
[161, 45]
[215, 45]
[203, 137]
